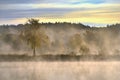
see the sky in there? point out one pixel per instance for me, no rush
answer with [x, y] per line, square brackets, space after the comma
[89, 12]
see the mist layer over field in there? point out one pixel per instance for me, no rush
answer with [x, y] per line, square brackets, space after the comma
[59, 71]
[64, 38]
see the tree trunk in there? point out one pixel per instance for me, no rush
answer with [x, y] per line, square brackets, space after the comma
[34, 52]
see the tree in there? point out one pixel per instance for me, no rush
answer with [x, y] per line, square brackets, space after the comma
[77, 43]
[33, 35]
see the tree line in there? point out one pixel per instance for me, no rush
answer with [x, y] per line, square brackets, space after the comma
[83, 41]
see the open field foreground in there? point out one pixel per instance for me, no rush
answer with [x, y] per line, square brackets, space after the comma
[59, 70]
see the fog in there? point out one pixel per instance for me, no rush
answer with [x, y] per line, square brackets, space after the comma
[65, 38]
[74, 39]
[59, 71]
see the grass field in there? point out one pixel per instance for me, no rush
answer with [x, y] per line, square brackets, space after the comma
[59, 58]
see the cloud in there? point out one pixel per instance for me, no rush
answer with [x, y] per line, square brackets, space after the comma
[86, 11]
[47, 1]
[40, 12]
[16, 1]
[58, 1]
[112, 1]
[13, 21]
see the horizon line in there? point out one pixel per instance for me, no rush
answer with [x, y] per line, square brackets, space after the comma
[90, 25]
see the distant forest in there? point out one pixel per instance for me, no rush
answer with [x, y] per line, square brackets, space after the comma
[64, 38]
